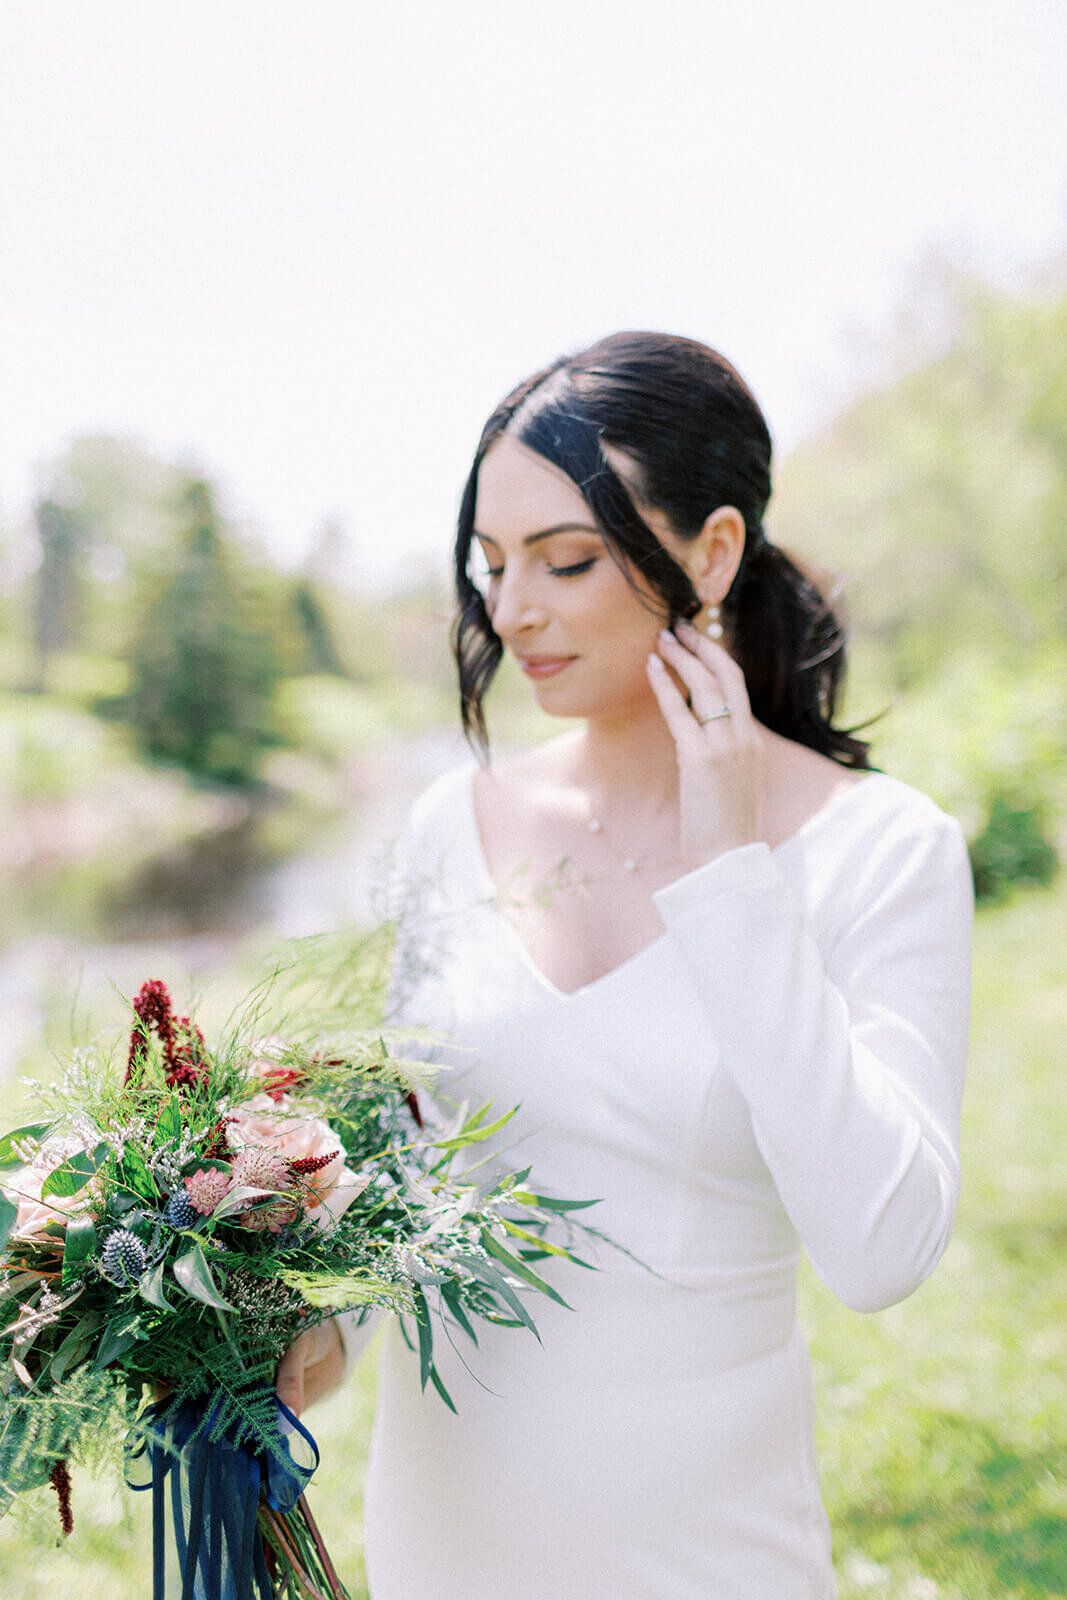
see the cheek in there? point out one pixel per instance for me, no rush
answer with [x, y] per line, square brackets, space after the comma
[634, 616]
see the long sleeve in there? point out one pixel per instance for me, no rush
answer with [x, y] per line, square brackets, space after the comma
[849, 1049]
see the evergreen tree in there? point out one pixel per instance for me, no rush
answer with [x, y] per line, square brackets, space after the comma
[57, 596]
[204, 664]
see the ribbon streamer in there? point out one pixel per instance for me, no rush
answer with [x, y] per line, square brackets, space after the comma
[216, 1486]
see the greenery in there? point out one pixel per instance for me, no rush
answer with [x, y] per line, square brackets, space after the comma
[941, 501]
[204, 665]
[943, 1437]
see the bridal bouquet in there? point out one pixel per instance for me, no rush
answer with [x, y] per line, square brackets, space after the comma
[178, 1215]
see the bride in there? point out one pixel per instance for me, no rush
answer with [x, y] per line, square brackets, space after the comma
[724, 968]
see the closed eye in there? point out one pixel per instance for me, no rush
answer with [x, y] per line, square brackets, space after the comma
[572, 571]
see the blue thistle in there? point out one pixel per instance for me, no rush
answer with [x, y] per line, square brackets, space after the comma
[123, 1258]
[180, 1212]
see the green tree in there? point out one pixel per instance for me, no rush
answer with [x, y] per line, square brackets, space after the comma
[59, 589]
[942, 503]
[204, 663]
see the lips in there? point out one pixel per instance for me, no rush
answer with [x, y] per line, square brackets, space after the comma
[543, 666]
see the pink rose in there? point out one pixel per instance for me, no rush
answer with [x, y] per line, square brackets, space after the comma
[271, 1063]
[24, 1188]
[275, 1125]
[346, 1186]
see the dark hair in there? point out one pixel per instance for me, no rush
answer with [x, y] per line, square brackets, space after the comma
[692, 428]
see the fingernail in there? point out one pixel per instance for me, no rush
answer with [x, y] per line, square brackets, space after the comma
[655, 664]
[665, 633]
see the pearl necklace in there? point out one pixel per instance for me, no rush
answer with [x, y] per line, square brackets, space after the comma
[629, 863]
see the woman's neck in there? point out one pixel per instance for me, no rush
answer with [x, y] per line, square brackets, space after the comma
[627, 763]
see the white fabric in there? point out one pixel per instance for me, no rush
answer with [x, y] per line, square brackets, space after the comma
[782, 1065]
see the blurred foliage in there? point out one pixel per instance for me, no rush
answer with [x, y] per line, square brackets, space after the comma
[58, 598]
[205, 663]
[941, 501]
[1013, 848]
[942, 504]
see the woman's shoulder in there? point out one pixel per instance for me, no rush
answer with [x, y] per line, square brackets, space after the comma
[881, 803]
[814, 797]
[881, 841]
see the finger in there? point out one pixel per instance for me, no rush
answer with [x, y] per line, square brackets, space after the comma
[719, 661]
[676, 713]
[707, 692]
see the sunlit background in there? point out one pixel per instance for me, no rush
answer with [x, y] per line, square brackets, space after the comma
[264, 270]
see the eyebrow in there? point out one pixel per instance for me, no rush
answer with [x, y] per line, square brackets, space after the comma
[545, 533]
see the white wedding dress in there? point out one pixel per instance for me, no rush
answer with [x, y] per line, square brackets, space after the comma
[782, 1067]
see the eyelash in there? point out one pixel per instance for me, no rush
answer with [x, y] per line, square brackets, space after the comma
[573, 571]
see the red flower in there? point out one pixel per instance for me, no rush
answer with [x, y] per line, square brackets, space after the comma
[305, 1164]
[185, 1057]
[59, 1478]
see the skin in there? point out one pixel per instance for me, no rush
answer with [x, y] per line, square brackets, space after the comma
[312, 1366]
[670, 791]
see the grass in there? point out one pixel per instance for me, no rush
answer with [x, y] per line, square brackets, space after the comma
[943, 1429]
[943, 1434]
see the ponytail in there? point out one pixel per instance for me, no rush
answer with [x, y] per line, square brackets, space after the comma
[790, 645]
[697, 440]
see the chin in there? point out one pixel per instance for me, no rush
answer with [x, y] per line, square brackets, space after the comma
[567, 700]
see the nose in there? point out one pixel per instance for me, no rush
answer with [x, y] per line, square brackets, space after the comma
[514, 604]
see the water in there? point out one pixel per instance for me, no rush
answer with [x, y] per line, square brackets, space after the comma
[194, 914]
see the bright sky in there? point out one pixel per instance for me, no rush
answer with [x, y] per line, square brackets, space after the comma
[309, 246]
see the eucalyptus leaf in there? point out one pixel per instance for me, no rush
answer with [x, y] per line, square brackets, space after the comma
[425, 1331]
[75, 1347]
[80, 1245]
[496, 1280]
[151, 1287]
[550, 1203]
[74, 1174]
[9, 1156]
[238, 1200]
[543, 1247]
[193, 1273]
[474, 1135]
[453, 1299]
[25, 1309]
[169, 1121]
[9, 1215]
[435, 1379]
[136, 1176]
[14, 1286]
[118, 1338]
[520, 1269]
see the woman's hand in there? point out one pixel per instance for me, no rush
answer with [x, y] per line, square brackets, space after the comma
[718, 752]
[313, 1365]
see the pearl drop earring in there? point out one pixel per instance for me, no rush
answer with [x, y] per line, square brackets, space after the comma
[713, 627]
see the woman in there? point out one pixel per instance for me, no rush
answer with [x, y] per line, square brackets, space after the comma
[724, 970]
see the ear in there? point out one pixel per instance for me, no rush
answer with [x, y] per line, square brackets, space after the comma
[715, 554]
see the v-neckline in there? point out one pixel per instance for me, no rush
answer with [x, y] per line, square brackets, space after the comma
[493, 893]
[488, 884]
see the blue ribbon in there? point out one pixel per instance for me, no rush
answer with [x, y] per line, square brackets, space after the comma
[215, 1489]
